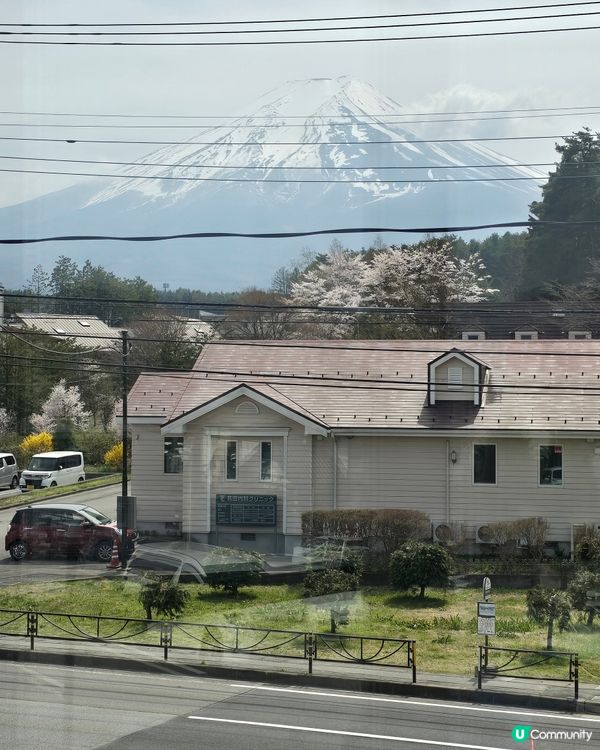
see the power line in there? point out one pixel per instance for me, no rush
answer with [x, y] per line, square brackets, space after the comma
[282, 42]
[379, 116]
[227, 143]
[362, 27]
[286, 125]
[285, 180]
[348, 167]
[311, 233]
[309, 20]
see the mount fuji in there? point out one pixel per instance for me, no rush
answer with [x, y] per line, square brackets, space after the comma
[314, 154]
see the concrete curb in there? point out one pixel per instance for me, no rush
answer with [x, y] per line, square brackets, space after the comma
[381, 687]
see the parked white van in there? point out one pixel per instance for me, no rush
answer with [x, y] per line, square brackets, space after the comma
[53, 469]
[9, 472]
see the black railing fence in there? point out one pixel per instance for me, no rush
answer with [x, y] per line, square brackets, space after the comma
[182, 635]
[509, 661]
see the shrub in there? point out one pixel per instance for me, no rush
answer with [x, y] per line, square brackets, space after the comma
[587, 547]
[547, 606]
[63, 438]
[582, 582]
[114, 457]
[332, 584]
[392, 528]
[94, 443]
[531, 533]
[162, 595]
[230, 569]
[418, 565]
[40, 442]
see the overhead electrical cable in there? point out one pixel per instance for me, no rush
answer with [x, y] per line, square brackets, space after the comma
[315, 379]
[283, 42]
[270, 168]
[308, 233]
[286, 125]
[310, 181]
[379, 116]
[311, 19]
[310, 30]
[226, 143]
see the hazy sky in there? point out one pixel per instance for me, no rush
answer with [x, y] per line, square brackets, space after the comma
[537, 70]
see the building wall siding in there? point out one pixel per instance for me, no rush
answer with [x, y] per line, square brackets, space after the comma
[159, 494]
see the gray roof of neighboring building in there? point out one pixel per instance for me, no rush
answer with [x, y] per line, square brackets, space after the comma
[382, 385]
[87, 331]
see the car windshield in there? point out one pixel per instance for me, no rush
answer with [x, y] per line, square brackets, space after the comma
[43, 463]
[96, 515]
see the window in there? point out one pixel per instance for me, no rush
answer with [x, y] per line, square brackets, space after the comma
[473, 335]
[455, 378]
[266, 455]
[10, 460]
[173, 455]
[231, 460]
[484, 463]
[551, 465]
[580, 335]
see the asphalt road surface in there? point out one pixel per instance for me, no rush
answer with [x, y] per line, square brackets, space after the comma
[79, 709]
[35, 570]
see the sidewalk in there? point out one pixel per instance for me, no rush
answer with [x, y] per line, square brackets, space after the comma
[508, 691]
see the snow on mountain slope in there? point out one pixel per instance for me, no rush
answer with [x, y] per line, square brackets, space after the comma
[322, 153]
[321, 129]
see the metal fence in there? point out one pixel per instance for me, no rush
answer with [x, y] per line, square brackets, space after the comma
[181, 635]
[517, 659]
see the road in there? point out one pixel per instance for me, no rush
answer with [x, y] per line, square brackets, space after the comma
[80, 709]
[40, 570]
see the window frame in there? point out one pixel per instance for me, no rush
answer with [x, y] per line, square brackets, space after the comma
[260, 461]
[226, 458]
[485, 484]
[562, 465]
[180, 440]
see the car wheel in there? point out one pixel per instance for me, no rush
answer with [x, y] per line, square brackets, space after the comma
[103, 551]
[18, 551]
[53, 484]
[15, 483]
[80, 479]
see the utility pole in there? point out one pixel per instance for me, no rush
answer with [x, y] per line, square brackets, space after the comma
[125, 504]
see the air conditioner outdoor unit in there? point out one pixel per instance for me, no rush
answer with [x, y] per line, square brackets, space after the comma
[448, 533]
[482, 535]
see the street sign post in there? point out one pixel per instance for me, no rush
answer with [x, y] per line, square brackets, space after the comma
[487, 588]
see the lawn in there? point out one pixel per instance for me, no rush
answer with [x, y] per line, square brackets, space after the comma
[443, 624]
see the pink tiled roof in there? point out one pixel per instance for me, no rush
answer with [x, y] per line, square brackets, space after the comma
[383, 384]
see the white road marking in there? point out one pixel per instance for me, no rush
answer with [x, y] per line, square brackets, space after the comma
[364, 735]
[459, 707]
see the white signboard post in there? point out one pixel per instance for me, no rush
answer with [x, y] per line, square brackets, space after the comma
[486, 619]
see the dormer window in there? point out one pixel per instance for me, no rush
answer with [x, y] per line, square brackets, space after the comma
[473, 335]
[580, 334]
[456, 376]
[526, 335]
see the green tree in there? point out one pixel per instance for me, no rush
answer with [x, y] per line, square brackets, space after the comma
[162, 595]
[582, 582]
[418, 565]
[547, 607]
[572, 194]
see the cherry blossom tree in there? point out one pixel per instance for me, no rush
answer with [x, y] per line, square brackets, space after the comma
[63, 406]
[336, 281]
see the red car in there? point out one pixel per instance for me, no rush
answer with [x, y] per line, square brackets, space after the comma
[63, 529]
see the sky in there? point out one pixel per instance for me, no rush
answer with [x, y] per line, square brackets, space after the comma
[505, 72]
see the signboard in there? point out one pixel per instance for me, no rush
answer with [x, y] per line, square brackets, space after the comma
[246, 510]
[487, 588]
[486, 618]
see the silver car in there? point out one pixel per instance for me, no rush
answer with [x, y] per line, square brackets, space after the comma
[9, 471]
